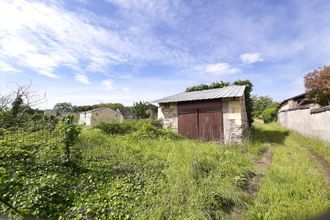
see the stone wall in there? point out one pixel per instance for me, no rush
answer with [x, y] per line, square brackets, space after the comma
[306, 121]
[169, 114]
[234, 120]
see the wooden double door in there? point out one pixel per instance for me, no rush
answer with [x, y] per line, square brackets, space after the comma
[200, 120]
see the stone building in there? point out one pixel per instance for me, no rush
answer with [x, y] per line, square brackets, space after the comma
[214, 114]
[98, 115]
[294, 102]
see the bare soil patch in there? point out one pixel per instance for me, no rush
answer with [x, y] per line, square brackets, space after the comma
[262, 166]
[323, 164]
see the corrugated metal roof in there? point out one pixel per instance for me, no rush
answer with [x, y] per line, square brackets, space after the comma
[226, 92]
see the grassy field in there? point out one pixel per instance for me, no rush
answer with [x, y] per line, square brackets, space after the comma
[149, 173]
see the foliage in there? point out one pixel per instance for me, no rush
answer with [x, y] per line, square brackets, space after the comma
[63, 107]
[317, 85]
[197, 88]
[118, 128]
[248, 99]
[269, 114]
[213, 85]
[138, 129]
[260, 103]
[143, 110]
[71, 133]
[21, 115]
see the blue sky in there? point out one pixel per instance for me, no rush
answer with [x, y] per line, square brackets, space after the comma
[87, 52]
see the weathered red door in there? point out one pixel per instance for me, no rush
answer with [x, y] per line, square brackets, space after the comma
[209, 125]
[188, 126]
[200, 120]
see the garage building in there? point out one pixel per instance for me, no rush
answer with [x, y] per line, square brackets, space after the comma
[214, 114]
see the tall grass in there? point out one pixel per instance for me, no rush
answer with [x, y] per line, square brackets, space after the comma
[194, 179]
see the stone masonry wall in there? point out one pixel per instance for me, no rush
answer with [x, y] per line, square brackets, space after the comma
[234, 120]
[169, 114]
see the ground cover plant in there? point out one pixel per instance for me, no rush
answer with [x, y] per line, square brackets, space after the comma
[137, 170]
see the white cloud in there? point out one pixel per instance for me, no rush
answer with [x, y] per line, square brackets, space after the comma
[82, 78]
[251, 58]
[44, 37]
[167, 11]
[220, 69]
[4, 67]
[107, 85]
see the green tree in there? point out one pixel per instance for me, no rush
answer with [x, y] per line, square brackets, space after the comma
[17, 105]
[260, 103]
[63, 107]
[113, 106]
[143, 109]
[218, 84]
[269, 114]
[197, 88]
[317, 85]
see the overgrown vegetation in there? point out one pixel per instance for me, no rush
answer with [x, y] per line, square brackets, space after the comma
[151, 173]
[265, 108]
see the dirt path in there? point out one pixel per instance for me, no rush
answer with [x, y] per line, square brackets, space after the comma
[252, 188]
[262, 166]
[323, 165]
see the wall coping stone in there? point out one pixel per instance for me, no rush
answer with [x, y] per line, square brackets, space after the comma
[319, 110]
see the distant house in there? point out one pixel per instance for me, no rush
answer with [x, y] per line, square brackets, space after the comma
[214, 114]
[98, 115]
[306, 117]
[127, 112]
[294, 102]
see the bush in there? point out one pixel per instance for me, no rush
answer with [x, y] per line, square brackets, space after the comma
[138, 129]
[269, 114]
[116, 128]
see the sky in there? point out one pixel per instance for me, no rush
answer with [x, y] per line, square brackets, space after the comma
[93, 51]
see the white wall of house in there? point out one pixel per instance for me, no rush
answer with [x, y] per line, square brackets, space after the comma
[85, 118]
[96, 116]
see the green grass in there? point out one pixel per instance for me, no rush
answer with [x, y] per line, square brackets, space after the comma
[294, 187]
[320, 147]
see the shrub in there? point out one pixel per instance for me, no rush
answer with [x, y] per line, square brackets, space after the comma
[149, 130]
[140, 129]
[269, 114]
[116, 128]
